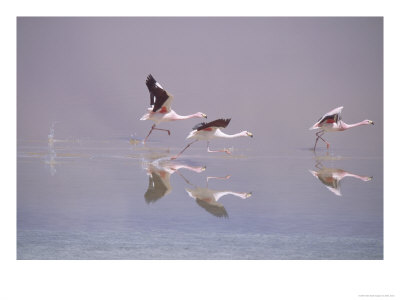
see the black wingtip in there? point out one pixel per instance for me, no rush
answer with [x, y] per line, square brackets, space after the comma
[150, 79]
[216, 123]
[150, 82]
[226, 121]
[198, 125]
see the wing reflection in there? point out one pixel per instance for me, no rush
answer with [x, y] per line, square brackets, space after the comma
[160, 172]
[331, 177]
[208, 199]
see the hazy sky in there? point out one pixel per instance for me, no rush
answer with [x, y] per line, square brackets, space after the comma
[273, 76]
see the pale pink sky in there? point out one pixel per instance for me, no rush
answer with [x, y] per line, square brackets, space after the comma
[273, 76]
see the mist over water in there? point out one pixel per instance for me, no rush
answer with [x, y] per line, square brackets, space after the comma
[88, 189]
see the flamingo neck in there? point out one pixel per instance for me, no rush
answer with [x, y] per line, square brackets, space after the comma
[219, 133]
[345, 126]
[194, 169]
[223, 193]
[196, 115]
[363, 178]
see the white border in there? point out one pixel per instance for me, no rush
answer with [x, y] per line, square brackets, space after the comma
[197, 279]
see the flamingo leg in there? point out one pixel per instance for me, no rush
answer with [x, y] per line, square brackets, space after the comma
[319, 165]
[169, 132]
[154, 128]
[184, 178]
[176, 156]
[316, 140]
[319, 136]
[224, 150]
[214, 177]
[327, 144]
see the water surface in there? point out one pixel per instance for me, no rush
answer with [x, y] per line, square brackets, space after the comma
[111, 199]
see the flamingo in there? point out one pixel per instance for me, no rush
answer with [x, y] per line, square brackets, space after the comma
[332, 121]
[210, 130]
[160, 172]
[208, 199]
[331, 178]
[160, 110]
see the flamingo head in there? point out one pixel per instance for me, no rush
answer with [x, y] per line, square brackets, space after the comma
[249, 134]
[199, 169]
[247, 195]
[369, 122]
[201, 115]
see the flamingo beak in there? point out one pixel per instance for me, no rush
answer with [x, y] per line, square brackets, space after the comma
[372, 123]
[249, 134]
[204, 116]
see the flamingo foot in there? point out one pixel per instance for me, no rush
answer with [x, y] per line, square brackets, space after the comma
[228, 151]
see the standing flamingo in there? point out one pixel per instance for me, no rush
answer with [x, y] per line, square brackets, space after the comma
[332, 121]
[160, 110]
[210, 130]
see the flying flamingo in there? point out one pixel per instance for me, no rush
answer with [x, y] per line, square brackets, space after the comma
[160, 110]
[332, 121]
[331, 178]
[210, 130]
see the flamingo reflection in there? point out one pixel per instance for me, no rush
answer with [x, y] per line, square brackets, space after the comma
[208, 198]
[160, 172]
[331, 177]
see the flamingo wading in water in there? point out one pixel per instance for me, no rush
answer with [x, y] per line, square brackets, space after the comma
[210, 130]
[160, 110]
[332, 121]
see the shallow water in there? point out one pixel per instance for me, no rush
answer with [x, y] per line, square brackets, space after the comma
[111, 199]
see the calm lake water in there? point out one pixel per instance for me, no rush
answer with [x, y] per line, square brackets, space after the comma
[112, 199]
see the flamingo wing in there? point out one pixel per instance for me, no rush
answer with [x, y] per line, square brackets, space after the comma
[157, 188]
[159, 98]
[222, 123]
[215, 209]
[330, 117]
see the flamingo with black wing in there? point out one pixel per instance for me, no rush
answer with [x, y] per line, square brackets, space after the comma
[332, 121]
[160, 107]
[210, 130]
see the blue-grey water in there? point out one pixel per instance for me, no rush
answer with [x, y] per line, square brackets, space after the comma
[115, 199]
